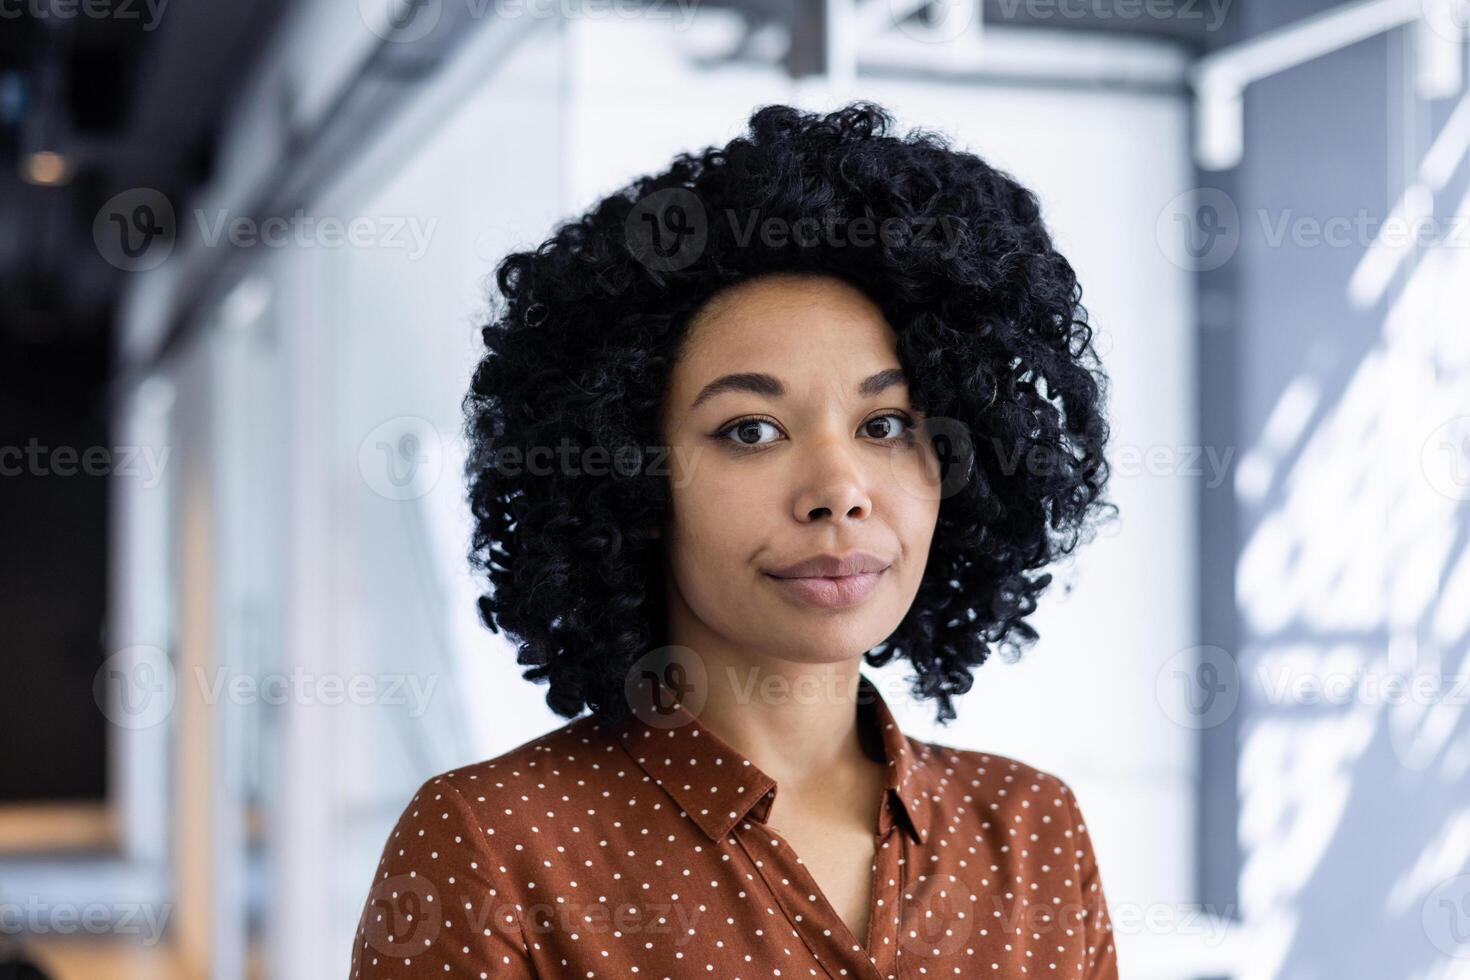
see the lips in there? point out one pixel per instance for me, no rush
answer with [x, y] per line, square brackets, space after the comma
[831, 581]
[830, 593]
[833, 566]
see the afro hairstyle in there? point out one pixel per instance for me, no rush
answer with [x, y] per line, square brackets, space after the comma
[584, 330]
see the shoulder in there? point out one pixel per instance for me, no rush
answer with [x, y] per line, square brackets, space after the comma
[991, 770]
[582, 745]
[502, 800]
[1004, 790]
[466, 842]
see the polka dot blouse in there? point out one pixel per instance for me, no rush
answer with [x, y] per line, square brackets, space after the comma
[641, 850]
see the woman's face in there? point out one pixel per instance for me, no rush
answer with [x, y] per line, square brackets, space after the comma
[789, 422]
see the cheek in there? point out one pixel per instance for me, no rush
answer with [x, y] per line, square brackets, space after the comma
[719, 526]
[720, 517]
[714, 480]
[913, 518]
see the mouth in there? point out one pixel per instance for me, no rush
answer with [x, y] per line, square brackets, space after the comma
[829, 591]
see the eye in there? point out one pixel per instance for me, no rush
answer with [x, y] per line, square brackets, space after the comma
[752, 432]
[892, 427]
[749, 432]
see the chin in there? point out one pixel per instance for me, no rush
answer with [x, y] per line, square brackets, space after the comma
[829, 642]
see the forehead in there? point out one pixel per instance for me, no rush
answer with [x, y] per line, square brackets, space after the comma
[788, 324]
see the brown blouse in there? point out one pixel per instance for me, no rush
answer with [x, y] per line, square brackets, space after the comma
[641, 850]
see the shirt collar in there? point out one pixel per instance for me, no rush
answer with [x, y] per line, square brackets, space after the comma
[717, 787]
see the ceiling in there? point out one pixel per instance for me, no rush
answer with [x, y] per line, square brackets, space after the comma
[132, 94]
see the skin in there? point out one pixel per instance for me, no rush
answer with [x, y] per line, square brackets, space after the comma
[832, 470]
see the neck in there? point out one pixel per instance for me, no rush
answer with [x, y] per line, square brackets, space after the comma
[797, 722]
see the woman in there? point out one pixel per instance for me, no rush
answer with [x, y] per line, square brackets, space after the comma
[818, 398]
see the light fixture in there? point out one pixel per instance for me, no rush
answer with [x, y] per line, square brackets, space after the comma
[42, 161]
[46, 168]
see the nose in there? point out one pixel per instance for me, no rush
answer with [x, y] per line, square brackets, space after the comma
[833, 486]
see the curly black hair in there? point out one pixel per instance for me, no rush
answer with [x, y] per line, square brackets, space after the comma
[991, 334]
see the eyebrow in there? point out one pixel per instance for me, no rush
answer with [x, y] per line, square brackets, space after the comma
[759, 383]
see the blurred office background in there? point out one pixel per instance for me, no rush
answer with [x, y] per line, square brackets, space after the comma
[243, 260]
